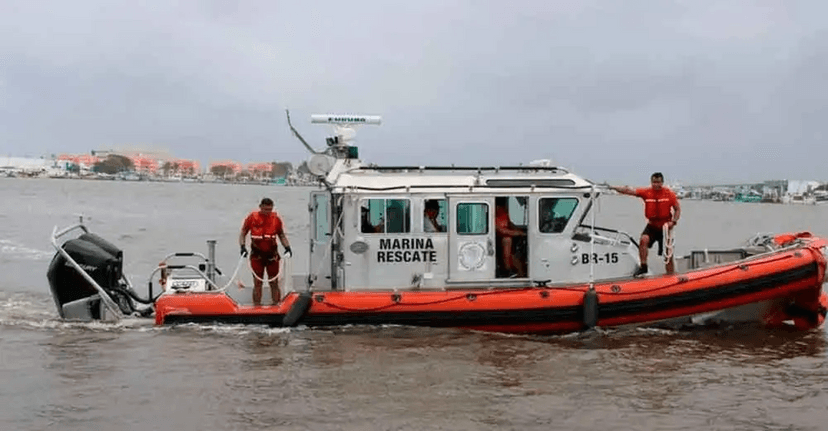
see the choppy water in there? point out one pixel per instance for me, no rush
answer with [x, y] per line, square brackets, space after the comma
[132, 375]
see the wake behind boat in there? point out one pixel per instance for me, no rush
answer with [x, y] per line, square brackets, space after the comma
[505, 249]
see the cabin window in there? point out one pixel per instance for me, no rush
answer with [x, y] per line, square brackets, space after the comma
[472, 218]
[516, 207]
[554, 213]
[385, 216]
[434, 215]
[322, 228]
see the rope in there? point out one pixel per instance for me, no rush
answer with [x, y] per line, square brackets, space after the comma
[233, 277]
[417, 304]
[669, 242]
[257, 277]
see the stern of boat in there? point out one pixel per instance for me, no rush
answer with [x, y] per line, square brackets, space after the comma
[87, 281]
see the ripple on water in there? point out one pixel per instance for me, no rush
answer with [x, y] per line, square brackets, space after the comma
[11, 250]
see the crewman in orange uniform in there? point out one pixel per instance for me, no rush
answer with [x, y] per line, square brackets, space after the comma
[506, 232]
[264, 227]
[660, 207]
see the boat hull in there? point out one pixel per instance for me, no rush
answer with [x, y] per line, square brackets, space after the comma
[782, 288]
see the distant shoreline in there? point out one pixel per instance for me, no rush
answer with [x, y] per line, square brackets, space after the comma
[189, 180]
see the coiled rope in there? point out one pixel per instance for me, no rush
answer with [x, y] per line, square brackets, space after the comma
[235, 273]
[669, 242]
[250, 265]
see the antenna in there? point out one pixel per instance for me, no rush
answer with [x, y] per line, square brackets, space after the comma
[298, 136]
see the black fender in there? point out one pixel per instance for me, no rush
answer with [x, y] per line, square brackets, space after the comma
[590, 310]
[298, 309]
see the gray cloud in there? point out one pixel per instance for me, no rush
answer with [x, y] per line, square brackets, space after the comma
[706, 91]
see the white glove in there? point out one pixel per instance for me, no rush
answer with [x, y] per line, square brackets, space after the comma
[288, 253]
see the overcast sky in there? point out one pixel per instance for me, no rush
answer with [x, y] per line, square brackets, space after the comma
[705, 91]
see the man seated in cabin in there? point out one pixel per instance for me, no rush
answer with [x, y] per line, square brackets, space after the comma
[506, 233]
[367, 226]
[430, 217]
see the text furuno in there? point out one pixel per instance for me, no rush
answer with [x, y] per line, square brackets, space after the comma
[346, 119]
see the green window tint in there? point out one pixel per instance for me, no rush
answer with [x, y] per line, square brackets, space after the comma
[322, 227]
[372, 218]
[472, 218]
[397, 216]
[554, 213]
[385, 216]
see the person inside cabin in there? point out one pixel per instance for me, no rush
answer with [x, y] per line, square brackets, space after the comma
[398, 215]
[431, 213]
[365, 221]
[506, 233]
[661, 207]
[264, 227]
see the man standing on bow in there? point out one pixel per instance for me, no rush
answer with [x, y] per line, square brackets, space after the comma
[661, 207]
[264, 227]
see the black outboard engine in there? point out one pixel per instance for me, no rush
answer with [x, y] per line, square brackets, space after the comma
[75, 297]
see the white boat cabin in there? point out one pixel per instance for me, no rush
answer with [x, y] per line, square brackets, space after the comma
[408, 228]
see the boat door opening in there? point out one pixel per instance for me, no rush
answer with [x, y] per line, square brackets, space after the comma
[320, 241]
[511, 227]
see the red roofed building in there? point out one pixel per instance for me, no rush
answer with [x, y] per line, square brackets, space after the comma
[260, 170]
[225, 168]
[144, 164]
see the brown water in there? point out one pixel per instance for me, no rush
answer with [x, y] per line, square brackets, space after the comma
[132, 375]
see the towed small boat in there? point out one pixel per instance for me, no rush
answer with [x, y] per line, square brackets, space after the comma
[426, 246]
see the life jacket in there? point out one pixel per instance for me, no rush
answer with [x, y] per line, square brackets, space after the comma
[789, 238]
[502, 220]
[657, 205]
[263, 231]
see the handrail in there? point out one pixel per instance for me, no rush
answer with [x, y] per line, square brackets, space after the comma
[466, 168]
[185, 266]
[216, 288]
[466, 187]
[619, 235]
[186, 254]
[56, 234]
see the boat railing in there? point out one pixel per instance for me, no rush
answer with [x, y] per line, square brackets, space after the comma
[206, 269]
[193, 268]
[605, 235]
[205, 265]
[479, 169]
[105, 298]
[756, 247]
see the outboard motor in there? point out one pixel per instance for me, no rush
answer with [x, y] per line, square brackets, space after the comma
[75, 297]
